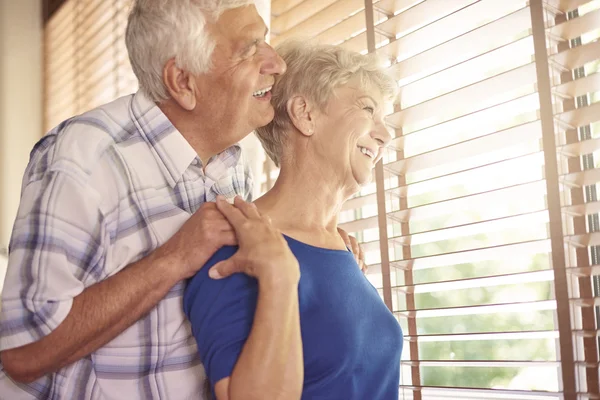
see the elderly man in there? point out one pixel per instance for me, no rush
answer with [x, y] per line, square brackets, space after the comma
[114, 212]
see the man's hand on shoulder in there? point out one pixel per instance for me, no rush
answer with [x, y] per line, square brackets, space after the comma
[356, 249]
[205, 232]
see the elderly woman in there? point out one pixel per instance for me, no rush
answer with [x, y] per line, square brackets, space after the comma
[330, 336]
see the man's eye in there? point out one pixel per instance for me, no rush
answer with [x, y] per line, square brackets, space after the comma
[253, 46]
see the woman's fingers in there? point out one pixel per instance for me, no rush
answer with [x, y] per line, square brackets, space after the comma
[235, 216]
[226, 268]
[249, 209]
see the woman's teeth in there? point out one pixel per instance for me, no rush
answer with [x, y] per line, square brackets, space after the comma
[367, 152]
[262, 93]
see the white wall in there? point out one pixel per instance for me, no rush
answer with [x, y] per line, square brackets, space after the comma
[20, 101]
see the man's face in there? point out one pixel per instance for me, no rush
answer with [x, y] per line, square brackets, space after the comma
[235, 94]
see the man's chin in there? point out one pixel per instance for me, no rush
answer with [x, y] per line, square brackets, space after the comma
[264, 118]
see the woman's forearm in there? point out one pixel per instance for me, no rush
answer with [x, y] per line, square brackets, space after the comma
[271, 363]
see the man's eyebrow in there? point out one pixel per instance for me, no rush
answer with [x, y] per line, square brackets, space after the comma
[370, 98]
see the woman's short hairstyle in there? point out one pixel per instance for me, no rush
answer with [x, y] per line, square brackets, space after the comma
[159, 30]
[314, 71]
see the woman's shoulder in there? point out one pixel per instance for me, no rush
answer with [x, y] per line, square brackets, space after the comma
[202, 289]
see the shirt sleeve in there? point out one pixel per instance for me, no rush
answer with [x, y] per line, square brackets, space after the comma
[57, 249]
[221, 313]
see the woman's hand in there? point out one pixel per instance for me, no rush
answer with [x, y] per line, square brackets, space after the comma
[263, 252]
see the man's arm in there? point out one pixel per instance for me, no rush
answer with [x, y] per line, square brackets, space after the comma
[104, 310]
[99, 314]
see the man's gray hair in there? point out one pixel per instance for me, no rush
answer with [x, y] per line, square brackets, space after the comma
[159, 30]
[314, 71]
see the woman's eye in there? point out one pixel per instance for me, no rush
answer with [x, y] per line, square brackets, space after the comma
[370, 110]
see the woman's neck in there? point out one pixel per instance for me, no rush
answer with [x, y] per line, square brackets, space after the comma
[304, 203]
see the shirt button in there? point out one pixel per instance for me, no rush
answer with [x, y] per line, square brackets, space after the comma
[195, 162]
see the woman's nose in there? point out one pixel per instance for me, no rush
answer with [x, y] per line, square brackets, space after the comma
[382, 134]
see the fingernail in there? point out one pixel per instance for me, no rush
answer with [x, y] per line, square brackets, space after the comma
[220, 197]
[214, 273]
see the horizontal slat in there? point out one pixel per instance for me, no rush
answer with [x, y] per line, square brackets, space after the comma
[469, 148]
[451, 206]
[499, 34]
[565, 5]
[519, 306]
[579, 210]
[467, 73]
[322, 20]
[579, 87]
[473, 256]
[592, 302]
[581, 178]
[480, 364]
[577, 56]
[61, 19]
[392, 7]
[576, 27]
[583, 240]
[494, 169]
[344, 30]
[579, 116]
[295, 16]
[586, 334]
[452, 19]
[470, 99]
[488, 281]
[421, 15]
[584, 271]
[360, 201]
[467, 337]
[453, 231]
[280, 6]
[359, 224]
[489, 120]
[580, 148]
[438, 393]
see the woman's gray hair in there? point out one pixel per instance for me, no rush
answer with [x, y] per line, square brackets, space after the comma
[159, 30]
[314, 71]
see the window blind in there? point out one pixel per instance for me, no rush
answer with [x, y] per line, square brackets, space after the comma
[85, 59]
[481, 227]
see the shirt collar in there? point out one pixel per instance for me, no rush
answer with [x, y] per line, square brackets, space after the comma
[172, 152]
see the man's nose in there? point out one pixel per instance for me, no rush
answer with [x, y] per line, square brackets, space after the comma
[273, 64]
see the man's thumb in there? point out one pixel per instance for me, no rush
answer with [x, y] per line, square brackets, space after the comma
[223, 269]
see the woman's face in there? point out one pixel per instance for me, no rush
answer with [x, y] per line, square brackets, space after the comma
[352, 133]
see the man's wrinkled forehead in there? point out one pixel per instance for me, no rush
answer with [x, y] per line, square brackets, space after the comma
[237, 21]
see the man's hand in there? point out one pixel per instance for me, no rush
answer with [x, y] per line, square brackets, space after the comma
[205, 232]
[352, 243]
[263, 253]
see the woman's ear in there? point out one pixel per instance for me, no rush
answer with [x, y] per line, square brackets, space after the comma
[180, 84]
[301, 113]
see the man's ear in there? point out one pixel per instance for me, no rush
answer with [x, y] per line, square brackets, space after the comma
[302, 115]
[180, 84]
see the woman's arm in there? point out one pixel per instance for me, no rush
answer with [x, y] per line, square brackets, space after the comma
[268, 355]
[271, 364]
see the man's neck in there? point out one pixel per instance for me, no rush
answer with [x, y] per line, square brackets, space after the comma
[206, 136]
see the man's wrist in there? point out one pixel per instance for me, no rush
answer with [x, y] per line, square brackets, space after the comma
[166, 268]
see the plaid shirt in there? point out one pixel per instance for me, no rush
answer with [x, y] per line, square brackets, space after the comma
[101, 191]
